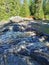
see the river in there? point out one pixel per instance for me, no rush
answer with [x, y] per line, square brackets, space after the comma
[24, 44]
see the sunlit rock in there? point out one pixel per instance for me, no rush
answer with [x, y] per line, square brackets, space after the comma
[42, 39]
[16, 19]
[11, 28]
[47, 44]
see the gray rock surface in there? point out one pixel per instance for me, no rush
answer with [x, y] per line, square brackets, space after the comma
[16, 19]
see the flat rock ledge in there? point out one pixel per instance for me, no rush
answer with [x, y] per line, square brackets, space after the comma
[16, 19]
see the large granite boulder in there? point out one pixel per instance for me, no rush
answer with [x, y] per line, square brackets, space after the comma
[16, 19]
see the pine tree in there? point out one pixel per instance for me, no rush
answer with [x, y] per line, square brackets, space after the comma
[2, 9]
[25, 9]
[46, 8]
[17, 7]
[9, 8]
[14, 7]
[38, 9]
[32, 7]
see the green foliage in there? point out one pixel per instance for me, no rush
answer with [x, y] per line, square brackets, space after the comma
[37, 8]
[25, 9]
[46, 6]
[9, 8]
[32, 7]
[46, 9]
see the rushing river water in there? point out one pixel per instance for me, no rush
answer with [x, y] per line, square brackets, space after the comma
[22, 45]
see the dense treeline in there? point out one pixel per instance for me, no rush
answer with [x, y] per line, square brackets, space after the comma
[25, 8]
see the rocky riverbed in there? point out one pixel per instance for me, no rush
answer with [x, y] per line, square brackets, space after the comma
[22, 44]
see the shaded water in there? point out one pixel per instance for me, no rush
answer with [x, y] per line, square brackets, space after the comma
[23, 45]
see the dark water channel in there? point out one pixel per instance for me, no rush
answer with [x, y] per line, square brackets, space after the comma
[23, 45]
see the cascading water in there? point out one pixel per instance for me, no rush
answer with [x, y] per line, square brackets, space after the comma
[23, 45]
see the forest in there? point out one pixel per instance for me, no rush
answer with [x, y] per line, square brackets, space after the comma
[38, 9]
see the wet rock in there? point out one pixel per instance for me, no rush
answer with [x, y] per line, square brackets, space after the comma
[40, 59]
[15, 60]
[1, 50]
[29, 29]
[5, 30]
[42, 39]
[16, 28]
